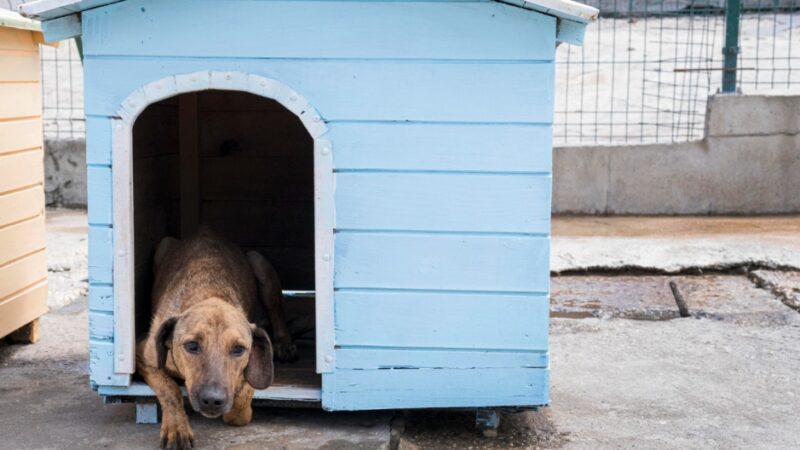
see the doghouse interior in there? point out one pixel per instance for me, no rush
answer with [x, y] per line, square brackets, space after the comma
[243, 165]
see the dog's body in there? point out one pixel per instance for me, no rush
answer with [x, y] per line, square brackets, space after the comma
[205, 305]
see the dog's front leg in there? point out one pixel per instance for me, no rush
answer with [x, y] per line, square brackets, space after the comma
[175, 430]
[242, 411]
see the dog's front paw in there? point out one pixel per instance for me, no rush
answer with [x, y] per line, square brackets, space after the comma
[285, 351]
[239, 417]
[176, 434]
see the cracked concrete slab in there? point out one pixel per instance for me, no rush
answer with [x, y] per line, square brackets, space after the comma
[674, 244]
[784, 285]
[717, 297]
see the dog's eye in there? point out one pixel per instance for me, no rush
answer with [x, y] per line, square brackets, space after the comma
[238, 350]
[192, 347]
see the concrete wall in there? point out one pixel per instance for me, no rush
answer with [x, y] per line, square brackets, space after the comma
[65, 172]
[749, 163]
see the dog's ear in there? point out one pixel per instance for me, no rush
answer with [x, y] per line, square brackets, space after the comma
[164, 341]
[259, 371]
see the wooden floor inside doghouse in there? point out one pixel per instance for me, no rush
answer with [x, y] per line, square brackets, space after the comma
[301, 374]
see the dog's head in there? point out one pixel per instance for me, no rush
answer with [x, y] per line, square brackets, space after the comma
[216, 350]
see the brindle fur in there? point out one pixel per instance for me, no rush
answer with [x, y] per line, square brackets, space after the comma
[206, 290]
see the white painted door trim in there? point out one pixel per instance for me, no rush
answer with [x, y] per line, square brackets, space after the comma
[123, 230]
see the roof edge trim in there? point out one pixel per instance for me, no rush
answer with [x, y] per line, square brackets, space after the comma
[10, 19]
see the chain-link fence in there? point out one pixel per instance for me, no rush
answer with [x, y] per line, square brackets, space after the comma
[647, 67]
[62, 91]
[643, 76]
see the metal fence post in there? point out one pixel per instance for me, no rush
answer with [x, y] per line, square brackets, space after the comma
[733, 10]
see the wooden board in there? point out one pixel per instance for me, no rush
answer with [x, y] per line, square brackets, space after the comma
[432, 261]
[434, 388]
[98, 140]
[22, 273]
[101, 298]
[256, 178]
[101, 365]
[22, 308]
[13, 40]
[23, 265]
[19, 170]
[22, 204]
[98, 185]
[252, 134]
[188, 141]
[22, 238]
[370, 91]
[101, 252]
[407, 320]
[19, 135]
[19, 67]
[156, 131]
[427, 358]
[443, 202]
[20, 100]
[330, 29]
[442, 147]
[263, 223]
[101, 326]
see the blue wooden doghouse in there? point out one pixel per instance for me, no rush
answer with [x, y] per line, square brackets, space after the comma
[391, 157]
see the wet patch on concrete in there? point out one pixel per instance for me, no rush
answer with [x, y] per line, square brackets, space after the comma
[715, 297]
[456, 430]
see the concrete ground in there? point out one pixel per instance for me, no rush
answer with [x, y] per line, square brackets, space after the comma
[626, 371]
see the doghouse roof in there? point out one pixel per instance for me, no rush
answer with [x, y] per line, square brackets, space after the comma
[572, 15]
[562, 9]
[10, 19]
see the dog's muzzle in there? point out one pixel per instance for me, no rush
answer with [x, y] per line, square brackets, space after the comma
[212, 400]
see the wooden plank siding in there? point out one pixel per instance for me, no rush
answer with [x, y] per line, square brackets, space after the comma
[443, 201]
[416, 91]
[440, 130]
[432, 388]
[471, 147]
[23, 266]
[516, 322]
[322, 30]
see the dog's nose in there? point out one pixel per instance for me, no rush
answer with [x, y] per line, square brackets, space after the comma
[212, 397]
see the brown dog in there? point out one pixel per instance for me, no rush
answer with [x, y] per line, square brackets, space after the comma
[203, 332]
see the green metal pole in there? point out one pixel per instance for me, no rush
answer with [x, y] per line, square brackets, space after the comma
[733, 11]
